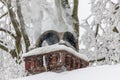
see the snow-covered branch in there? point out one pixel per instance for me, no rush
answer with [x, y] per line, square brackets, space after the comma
[102, 32]
[4, 47]
[22, 25]
[6, 31]
[3, 15]
[2, 1]
[13, 19]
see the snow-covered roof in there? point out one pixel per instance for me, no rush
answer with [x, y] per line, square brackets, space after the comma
[106, 72]
[51, 48]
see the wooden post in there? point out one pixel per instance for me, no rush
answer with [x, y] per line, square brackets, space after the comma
[78, 64]
[54, 59]
[74, 62]
[68, 62]
[27, 64]
[63, 58]
[48, 61]
[39, 63]
[32, 63]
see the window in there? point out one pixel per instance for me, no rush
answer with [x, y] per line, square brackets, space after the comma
[68, 36]
[49, 38]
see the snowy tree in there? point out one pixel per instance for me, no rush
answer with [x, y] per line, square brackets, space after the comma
[101, 38]
[22, 22]
[13, 39]
[13, 28]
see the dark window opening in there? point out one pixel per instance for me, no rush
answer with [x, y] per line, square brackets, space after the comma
[49, 38]
[69, 38]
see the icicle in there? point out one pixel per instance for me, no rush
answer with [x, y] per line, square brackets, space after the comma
[60, 57]
[44, 63]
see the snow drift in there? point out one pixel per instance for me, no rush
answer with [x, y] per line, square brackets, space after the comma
[106, 72]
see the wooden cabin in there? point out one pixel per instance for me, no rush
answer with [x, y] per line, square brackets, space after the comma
[56, 56]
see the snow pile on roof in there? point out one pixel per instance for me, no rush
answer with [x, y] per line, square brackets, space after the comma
[52, 48]
[106, 72]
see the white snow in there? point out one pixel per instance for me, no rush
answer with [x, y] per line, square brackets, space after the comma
[44, 63]
[51, 48]
[106, 72]
[47, 16]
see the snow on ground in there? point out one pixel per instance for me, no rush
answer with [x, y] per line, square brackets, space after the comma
[106, 72]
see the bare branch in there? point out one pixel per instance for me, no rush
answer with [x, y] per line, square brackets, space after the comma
[3, 15]
[75, 16]
[97, 30]
[15, 25]
[101, 59]
[3, 47]
[6, 31]
[2, 2]
[13, 19]
[12, 52]
[3, 42]
[22, 24]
